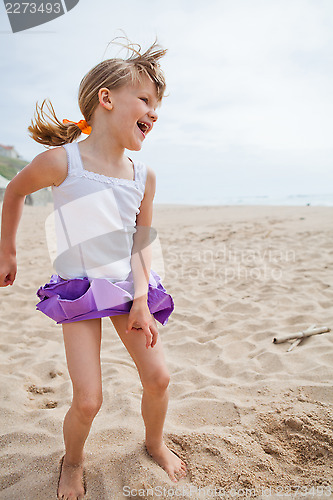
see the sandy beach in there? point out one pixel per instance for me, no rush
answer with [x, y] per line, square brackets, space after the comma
[249, 418]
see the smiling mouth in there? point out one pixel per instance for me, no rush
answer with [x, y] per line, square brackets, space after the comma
[143, 127]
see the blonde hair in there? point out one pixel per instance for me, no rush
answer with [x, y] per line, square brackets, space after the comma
[114, 73]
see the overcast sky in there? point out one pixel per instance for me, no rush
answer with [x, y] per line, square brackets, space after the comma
[249, 81]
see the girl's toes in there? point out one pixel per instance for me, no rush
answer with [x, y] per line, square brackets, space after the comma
[180, 473]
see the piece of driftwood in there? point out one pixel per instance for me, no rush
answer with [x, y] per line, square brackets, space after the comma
[312, 330]
[294, 344]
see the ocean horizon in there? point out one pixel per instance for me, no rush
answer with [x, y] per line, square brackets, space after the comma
[317, 200]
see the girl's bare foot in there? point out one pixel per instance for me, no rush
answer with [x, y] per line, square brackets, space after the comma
[71, 484]
[168, 461]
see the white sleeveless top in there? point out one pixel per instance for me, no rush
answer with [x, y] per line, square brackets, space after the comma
[95, 218]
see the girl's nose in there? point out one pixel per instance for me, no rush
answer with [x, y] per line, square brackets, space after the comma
[153, 115]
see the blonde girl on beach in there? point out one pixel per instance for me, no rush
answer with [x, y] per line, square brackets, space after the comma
[103, 212]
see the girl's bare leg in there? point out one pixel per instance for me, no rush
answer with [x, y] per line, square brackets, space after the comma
[82, 344]
[155, 378]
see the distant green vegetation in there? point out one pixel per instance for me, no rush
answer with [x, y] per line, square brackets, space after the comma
[10, 166]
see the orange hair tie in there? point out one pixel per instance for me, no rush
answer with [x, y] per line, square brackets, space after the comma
[82, 124]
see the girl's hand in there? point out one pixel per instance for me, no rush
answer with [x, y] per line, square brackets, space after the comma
[140, 319]
[8, 268]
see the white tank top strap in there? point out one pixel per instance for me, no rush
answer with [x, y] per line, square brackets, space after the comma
[140, 173]
[73, 158]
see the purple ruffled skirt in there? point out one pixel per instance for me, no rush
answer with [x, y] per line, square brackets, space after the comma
[77, 299]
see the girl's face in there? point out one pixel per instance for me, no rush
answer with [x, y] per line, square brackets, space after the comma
[133, 113]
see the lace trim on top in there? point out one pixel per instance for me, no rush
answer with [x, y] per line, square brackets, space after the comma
[82, 172]
[104, 178]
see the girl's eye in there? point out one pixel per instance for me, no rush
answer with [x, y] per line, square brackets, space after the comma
[144, 99]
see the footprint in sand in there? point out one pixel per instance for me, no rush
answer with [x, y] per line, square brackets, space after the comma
[40, 391]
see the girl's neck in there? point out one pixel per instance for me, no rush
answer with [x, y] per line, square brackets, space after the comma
[103, 149]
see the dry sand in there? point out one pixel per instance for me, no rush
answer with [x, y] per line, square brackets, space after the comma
[249, 418]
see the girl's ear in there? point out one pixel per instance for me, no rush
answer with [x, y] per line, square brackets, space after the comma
[105, 98]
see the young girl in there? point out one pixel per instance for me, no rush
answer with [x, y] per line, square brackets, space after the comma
[103, 212]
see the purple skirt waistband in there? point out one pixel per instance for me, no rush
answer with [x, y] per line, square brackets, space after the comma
[77, 299]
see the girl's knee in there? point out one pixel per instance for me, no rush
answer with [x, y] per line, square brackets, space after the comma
[87, 406]
[157, 383]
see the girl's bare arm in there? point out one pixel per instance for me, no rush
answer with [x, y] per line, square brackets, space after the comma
[46, 169]
[141, 251]
[141, 264]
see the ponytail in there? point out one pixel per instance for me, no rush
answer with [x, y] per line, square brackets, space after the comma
[48, 130]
